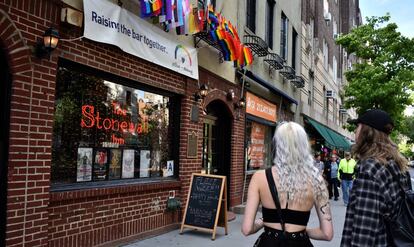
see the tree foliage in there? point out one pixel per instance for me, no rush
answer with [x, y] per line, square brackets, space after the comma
[407, 129]
[384, 75]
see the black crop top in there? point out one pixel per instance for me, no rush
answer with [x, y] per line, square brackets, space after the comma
[289, 216]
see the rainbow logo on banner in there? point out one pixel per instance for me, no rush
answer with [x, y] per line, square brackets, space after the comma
[179, 48]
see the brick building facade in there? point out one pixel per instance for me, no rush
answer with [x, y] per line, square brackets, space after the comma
[37, 212]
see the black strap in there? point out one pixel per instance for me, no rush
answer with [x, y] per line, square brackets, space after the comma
[273, 191]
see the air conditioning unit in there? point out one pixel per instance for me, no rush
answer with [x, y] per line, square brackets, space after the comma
[330, 94]
[327, 16]
[336, 35]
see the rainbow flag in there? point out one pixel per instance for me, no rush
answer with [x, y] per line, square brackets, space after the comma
[213, 18]
[246, 57]
[151, 8]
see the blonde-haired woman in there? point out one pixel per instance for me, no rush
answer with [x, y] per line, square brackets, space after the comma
[376, 191]
[297, 185]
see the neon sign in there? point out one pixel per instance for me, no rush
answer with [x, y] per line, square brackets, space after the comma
[93, 119]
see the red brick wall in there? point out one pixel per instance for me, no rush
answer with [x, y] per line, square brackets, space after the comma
[37, 217]
[95, 216]
[30, 121]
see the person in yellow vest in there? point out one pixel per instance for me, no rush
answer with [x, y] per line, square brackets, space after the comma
[346, 172]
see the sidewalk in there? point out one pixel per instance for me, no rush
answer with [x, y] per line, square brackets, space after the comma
[192, 238]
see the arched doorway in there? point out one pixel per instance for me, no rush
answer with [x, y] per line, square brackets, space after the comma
[217, 140]
[5, 88]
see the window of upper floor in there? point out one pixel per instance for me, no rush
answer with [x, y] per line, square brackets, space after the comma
[325, 6]
[325, 52]
[284, 25]
[335, 69]
[251, 15]
[294, 48]
[270, 4]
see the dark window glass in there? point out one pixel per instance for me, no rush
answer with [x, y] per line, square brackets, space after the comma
[105, 130]
[284, 36]
[269, 22]
[251, 15]
[294, 48]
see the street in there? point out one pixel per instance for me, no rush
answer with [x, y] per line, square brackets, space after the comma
[235, 238]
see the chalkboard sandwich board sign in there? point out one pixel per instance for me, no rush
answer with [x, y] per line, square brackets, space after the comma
[206, 206]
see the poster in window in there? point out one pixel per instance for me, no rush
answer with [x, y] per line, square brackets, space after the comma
[256, 149]
[100, 165]
[144, 164]
[84, 165]
[128, 162]
[169, 170]
[115, 164]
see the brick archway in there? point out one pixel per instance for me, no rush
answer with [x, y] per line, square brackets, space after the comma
[21, 218]
[221, 96]
[13, 42]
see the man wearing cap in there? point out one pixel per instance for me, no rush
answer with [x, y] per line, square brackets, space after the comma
[376, 191]
[346, 172]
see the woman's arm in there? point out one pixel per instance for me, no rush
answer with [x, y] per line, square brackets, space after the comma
[323, 210]
[250, 225]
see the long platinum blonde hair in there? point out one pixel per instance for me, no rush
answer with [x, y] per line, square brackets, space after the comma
[295, 165]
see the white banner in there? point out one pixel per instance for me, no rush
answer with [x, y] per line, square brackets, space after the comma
[108, 23]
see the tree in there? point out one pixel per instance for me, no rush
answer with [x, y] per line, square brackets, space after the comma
[384, 75]
[407, 129]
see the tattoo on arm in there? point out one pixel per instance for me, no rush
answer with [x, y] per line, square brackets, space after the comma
[325, 211]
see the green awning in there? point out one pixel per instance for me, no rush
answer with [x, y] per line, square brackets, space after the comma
[332, 138]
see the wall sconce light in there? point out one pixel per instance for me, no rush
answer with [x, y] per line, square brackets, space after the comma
[48, 44]
[202, 93]
[241, 103]
[230, 94]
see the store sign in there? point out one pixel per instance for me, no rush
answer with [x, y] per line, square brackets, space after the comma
[260, 107]
[93, 119]
[108, 23]
[257, 146]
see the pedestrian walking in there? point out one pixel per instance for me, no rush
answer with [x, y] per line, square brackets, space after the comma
[333, 181]
[294, 182]
[346, 173]
[318, 163]
[376, 191]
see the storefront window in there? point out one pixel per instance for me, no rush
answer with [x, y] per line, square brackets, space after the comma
[259, 145]
[105, 130]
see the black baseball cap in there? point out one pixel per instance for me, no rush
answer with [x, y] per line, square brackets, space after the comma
[377, 119]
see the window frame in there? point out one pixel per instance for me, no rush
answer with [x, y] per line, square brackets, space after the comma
[175, 120]
[270, 14]
[294, 48]
[284, 33]
[251, 15]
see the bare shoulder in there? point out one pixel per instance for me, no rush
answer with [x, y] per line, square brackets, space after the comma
[258, 177]
[259, 174]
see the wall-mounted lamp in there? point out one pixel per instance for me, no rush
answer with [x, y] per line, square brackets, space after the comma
[241, 103]
[230, 94]
[48, 44]
[202, 93]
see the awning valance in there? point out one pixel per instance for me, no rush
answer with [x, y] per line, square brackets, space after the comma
[332, 138]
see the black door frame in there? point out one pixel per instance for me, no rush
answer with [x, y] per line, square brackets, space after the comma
[5, 94]
[223, 120]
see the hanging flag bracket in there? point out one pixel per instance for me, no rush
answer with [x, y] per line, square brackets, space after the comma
[203, 36]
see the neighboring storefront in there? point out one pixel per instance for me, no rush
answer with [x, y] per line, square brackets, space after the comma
[325, 140]
[266, 105]
[260, 124]
[103, 134]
